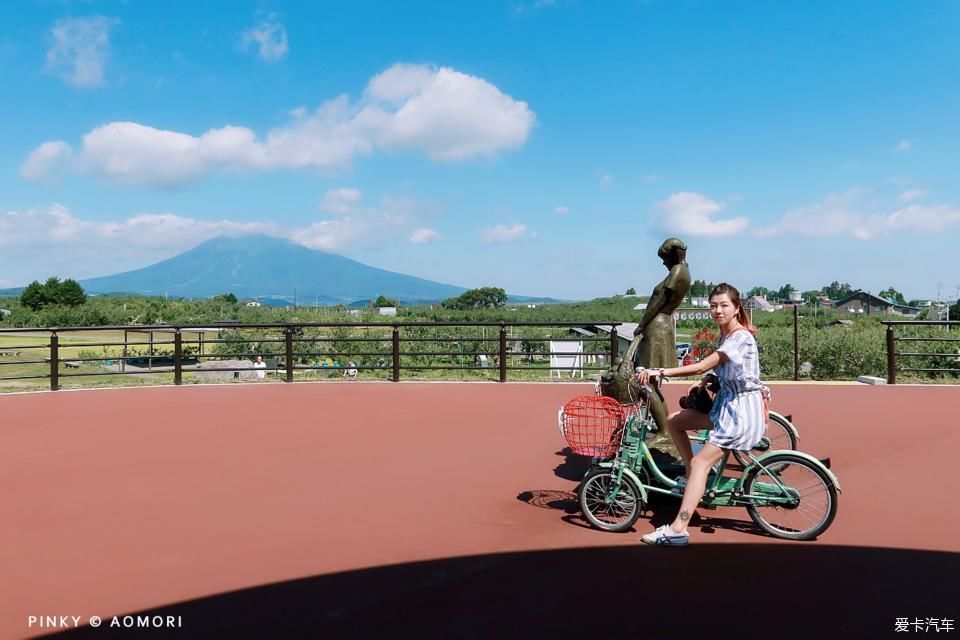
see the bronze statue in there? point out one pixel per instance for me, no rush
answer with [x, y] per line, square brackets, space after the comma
[654, 343]
[658, 347]
[657, 343]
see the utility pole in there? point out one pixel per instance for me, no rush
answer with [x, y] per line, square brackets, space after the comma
[939, 307]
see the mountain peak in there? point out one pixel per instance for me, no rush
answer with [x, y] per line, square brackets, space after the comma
[263, 266]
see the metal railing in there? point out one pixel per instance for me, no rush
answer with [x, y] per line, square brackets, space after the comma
[391, 347]
[893, 354]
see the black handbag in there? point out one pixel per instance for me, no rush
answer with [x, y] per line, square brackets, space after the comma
[701, 397]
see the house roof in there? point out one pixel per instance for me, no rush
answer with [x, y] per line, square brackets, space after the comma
[759, 302]
[883, 301]
[624, 330]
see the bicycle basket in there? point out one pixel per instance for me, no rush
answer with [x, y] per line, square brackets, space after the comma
[592, 424]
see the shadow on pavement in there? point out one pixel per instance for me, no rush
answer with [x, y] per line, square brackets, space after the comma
[748, 591]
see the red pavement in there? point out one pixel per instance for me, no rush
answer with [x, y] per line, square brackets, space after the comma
[117, 501]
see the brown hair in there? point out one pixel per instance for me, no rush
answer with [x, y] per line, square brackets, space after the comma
[734, 294]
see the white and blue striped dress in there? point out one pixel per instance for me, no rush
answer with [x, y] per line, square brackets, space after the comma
[738, 415]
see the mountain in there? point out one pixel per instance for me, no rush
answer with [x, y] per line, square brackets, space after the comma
[265, 267]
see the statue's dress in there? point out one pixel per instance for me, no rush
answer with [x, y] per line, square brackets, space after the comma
[658, 347]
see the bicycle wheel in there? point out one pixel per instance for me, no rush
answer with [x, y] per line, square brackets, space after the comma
[793, 498]
[779, 435]
[614, 515]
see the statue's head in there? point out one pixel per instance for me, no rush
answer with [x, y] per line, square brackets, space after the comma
[673, 251]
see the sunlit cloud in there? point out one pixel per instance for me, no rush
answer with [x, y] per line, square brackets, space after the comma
[441, 112]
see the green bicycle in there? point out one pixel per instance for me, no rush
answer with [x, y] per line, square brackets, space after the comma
[789, 494]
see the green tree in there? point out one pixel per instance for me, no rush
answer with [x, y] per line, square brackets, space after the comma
[893, 294]
[699, 288]
[383, 301]
[783, 293]
[759, 291]
[837, 291]
[810, 297]
[482, 298]
[34, 296]
[229, 298]
[71, 293]
[631, 292]
[68, 293]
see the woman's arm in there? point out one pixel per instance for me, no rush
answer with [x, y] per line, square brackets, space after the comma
[696, 368]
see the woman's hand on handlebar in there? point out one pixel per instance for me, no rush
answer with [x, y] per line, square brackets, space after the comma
[643, 376]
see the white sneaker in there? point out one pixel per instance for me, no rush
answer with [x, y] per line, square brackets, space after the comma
[665, 536]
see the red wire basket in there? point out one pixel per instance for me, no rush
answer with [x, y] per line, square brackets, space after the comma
[592, 424]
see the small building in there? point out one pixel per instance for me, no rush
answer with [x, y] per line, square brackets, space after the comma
[641, 307]
[386, 311]
[624, 333]
[759, 303]
[353, 312]
[862, 302]
[4, 313]
[254, 303]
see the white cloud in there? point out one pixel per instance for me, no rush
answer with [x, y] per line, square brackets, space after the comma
[340, 201]
[503, 234]
[58, 226]
[270, 36]
[80, 50]
[49, 159]
[836, 215]
[6, 283]
[605, 181]
[692, 214]
[423, 236]
[650, 178]
[355, 224]
[911, 194]
[441, 112]
[446, 114]
[839, 214]
[917, 218]
[904, 145]
[84, 247]
[562, 210]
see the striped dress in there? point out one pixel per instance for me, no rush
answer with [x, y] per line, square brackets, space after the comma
[738, 414]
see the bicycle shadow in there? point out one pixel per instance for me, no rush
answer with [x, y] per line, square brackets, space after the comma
[659, 510]
[573, 467]
[565, 501]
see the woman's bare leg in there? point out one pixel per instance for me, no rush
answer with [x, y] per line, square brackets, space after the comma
[697, 472]
[679, 423]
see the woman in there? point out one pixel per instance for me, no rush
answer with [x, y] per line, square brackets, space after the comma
[737, 419]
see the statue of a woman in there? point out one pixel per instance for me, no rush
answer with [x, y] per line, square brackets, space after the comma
[658, 345]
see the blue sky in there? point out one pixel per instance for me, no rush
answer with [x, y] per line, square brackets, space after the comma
[545, 147]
